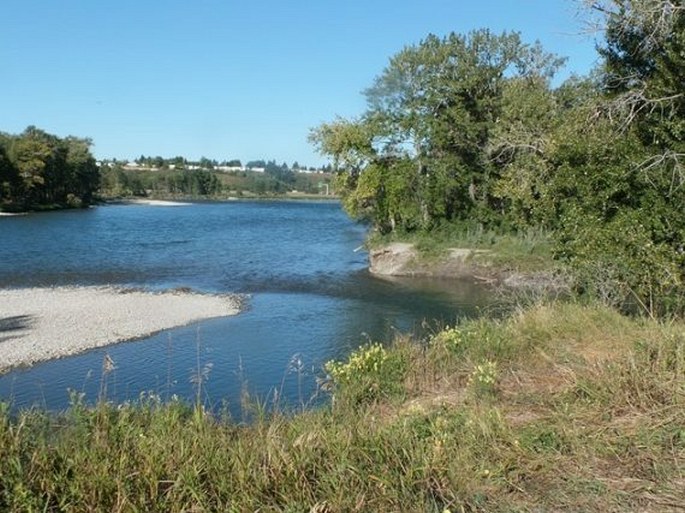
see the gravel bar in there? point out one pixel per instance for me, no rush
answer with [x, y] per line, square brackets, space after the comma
[38, 324]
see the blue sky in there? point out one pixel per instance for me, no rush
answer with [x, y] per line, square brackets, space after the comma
[229, 79]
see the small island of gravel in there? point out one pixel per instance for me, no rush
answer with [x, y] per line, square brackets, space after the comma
[38, 324]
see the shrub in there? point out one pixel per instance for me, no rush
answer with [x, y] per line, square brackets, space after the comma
[483, 379]
[451, 339]
[370, 373]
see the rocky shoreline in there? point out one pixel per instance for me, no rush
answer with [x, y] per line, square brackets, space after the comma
[38, 324]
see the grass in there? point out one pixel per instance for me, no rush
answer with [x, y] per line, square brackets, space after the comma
[562, 407]
[526, 251]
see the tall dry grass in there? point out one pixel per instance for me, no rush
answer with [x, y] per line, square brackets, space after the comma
[560, 407]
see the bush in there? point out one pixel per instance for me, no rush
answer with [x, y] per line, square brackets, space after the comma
[623, 263]
[369, 374]
[483, 379]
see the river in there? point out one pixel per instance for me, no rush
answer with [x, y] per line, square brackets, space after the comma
[309, 298]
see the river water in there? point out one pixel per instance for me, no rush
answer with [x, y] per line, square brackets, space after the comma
[309, 298]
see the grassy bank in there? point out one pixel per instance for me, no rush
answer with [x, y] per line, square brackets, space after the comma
[563, 408]
[528, 251]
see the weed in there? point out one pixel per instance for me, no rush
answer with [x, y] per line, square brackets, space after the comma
[451, 339]
[483, 379]
[370, 373]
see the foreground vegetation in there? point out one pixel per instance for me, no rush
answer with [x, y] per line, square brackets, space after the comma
[564, 407]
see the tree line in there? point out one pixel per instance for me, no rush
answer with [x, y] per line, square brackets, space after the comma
[467, 130]
[118, 181]
[180, 162]
[40, 169]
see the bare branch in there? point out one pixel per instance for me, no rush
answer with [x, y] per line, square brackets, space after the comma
[653, 18]
[625, 108]
[669, 161]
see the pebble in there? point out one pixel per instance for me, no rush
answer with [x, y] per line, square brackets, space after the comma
[38, 324]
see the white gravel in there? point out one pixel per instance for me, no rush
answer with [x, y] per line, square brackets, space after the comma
[39, 324]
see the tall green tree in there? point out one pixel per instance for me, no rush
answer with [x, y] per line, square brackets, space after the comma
[9, 176]
[84, 175]
[38, 168]
[33, 153]
[436, 105]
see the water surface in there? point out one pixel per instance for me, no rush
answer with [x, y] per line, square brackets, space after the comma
[310, 297]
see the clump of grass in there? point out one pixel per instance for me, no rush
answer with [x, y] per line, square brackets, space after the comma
[370, 373]
[483, 379]
[450, 338]
[582, 410]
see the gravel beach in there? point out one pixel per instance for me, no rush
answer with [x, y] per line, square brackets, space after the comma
[38, 324]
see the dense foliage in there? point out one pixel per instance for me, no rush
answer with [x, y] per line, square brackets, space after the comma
[117, 181]
[467, 130]
[40, 169]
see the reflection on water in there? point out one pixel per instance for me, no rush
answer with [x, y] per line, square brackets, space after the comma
[310, 296]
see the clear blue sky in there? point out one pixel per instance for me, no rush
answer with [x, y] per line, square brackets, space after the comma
[227, 78]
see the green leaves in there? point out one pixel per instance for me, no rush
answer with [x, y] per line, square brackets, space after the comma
[370, 373]
[39, 168]
[466, 129]
[422, 153]
[349, 143]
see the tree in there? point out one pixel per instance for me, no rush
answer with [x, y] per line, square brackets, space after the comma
[38, 168]
[520, 150]
[281, 173]
[9, 177]
[179, 162]
[32, 153]
[206, 163]
[436, 105]
[84, 175]
[619, 182]
[253, 164]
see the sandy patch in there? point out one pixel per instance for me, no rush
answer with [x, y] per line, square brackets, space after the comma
[157, 203]
[39, 324]
[394, 259]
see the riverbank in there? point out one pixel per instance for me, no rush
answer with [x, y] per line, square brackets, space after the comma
[561, 407]
[38, 324]
[483, 265]
[184, 200]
